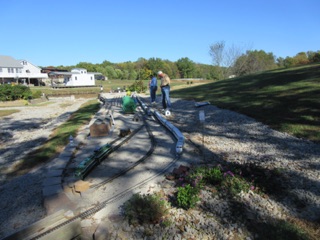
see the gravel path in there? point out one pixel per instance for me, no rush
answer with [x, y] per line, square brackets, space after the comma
[226, 135]
[236, 138]
[21, 201]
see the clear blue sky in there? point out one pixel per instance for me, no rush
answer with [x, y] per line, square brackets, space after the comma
[72, 31]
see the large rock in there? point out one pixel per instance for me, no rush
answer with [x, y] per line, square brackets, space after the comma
[100, 128]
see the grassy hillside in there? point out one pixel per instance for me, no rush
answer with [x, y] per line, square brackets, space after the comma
[287, 100]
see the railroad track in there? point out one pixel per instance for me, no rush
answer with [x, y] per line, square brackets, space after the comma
[116, 197]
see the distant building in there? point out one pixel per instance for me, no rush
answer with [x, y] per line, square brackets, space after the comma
[20, 71]
[77, 77]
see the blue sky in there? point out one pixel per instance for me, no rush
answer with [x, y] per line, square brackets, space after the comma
[72, 31]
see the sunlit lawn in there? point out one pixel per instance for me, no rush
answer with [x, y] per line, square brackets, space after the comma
[287, 100]
[58, 139]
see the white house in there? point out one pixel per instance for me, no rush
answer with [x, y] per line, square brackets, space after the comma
[20, 71]
[77, 77]
[31, 73]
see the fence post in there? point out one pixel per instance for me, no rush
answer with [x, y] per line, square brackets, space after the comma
[202, 118]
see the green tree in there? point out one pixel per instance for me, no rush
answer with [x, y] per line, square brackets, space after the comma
[89, 66]
[119, 73]
[289, 62]
[139, 66]
[171, 69]
[313, 57]
[186, 67]
[133, 75]
[301, 58]
[280, 62]
[155, 64]
[254, 61]
[110, 72]
[316, 57]
[145, 74]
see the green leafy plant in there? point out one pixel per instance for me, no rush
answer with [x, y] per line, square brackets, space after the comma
[214, 175]
[202, 175]
[150, 208]
[137, 86]
[234, 184]
[36, 94]
[187, 196]
[14, 92]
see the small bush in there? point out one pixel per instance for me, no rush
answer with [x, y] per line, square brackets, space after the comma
[214, 176]
[36, 94]
[141, 209]
[202, 175]
[234, 184]
[187, 196]
[137, 86]
[15, 92]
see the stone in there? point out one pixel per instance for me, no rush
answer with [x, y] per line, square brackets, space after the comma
[101, 232]
[100, 128]
[81, 186]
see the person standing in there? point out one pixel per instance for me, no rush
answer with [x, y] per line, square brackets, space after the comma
[165, 90]
[153, 85]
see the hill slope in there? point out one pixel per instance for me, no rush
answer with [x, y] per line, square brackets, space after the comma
[287, 99]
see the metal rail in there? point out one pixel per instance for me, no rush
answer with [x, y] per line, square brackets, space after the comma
[122, 194]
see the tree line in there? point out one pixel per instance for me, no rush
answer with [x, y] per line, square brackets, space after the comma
[226, 62]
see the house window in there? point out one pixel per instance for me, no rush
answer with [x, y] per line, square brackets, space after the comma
[10, 70]
[91, 78]
[24, 63]
[75, 78]
[0, 69]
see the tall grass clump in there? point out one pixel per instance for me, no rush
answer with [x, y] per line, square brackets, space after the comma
[146, 209]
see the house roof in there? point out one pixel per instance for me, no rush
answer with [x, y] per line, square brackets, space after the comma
[61, 73]
[58, 73]
[7, 61]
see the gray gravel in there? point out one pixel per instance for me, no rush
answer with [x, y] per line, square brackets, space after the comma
[226, 135]
[21, 200]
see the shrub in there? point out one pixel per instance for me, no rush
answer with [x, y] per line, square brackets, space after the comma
[234, 184]
[137, 86]
[150, 208]
[214, 176]
[36, 94]
[202, 175]
[16, 92]
[187, 196]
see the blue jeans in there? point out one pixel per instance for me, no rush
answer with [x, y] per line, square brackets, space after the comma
[166, 97]
[153, 90]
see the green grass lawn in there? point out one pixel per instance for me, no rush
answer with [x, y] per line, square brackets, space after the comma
[58, 139]
[111, 85]
[285, 99]
[288, 100]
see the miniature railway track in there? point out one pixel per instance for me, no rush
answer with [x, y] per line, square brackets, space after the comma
[97, 207]
[142, 159]
[104, 203]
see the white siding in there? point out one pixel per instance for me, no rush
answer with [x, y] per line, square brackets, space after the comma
[80, 77]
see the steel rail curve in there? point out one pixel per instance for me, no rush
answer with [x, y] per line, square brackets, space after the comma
[122, 194]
